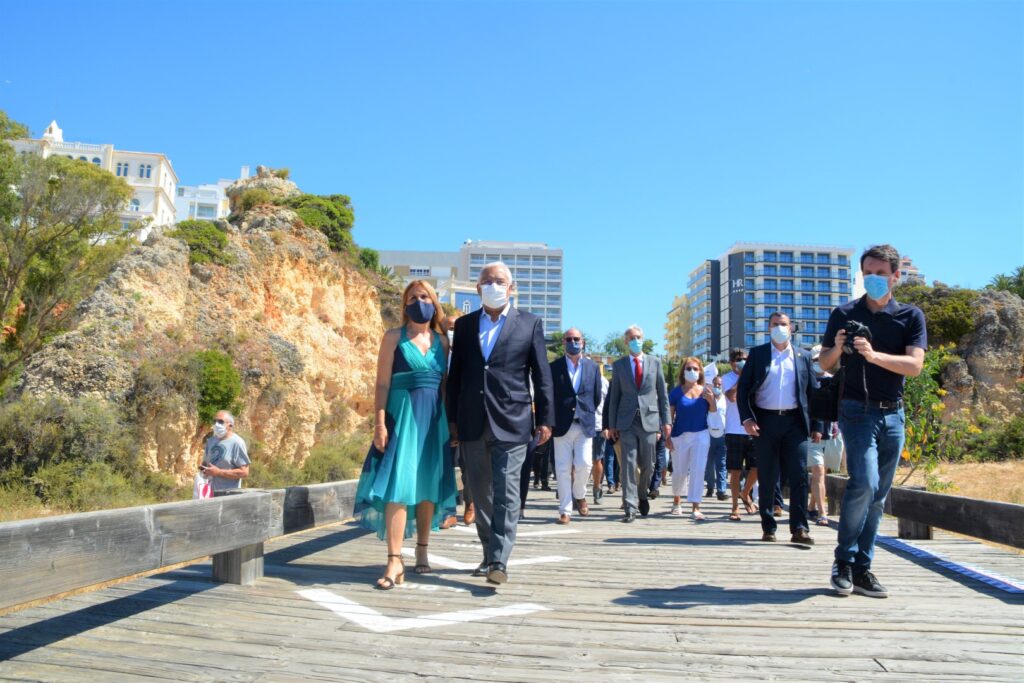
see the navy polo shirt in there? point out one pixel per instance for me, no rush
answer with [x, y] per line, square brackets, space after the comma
[893, 329]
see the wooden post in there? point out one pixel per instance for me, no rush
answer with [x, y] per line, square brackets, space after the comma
[240, 566]
[910, 529]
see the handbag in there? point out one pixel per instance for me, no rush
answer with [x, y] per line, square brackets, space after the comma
[825, 399]
[716, 423]
[202, 486]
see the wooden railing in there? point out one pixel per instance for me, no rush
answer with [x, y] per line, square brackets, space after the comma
[41, 558]
[918, 511]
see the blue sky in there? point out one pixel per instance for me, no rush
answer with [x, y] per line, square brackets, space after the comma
[639, 137]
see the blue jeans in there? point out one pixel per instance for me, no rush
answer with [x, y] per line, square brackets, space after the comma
[714, 473]
[660, 463]
[611, 464]
[874, 441]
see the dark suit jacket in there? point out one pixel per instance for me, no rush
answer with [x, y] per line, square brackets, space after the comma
[759, 360]
[567, 400]
[498, 390]
[624, 399]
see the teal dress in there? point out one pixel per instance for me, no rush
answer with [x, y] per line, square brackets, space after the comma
[416, 464]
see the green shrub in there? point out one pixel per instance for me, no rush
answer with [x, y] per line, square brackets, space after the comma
[18, 501]
[282, 173]
[206, 242]
[336, 459]
[273, 473]
[331, 214]
[38, 432]
[253, 197]
[947, 310]
[369, 258]
[218, 383]
[995, 443]
[84, 486]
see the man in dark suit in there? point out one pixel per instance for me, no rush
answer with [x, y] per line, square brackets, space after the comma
[496, 351]
[577, 382]
[637, 411]
[773, 398]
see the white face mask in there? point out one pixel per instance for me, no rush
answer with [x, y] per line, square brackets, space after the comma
[494, 296]
[691, 375]
[780, 334]
[219, 430]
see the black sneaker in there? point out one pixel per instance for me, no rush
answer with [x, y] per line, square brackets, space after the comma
[866, 584]
[645, 507]
[842, 578]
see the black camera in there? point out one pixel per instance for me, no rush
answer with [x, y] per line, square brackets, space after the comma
[855, 329]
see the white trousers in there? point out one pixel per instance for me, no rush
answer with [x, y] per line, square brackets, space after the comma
[572, 451]
[689, 459]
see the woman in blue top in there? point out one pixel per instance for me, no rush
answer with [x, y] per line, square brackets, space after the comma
[408, 481]
[691, 402]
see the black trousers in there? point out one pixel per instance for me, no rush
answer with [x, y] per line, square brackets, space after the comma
[780, 449]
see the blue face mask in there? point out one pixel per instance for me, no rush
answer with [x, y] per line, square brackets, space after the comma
[636, 346]
[717, 391]
[877, 286]
[740, 364]
[573, 348]
[420, 311]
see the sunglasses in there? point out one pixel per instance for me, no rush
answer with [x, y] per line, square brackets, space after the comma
[575, 339]
[693, 369]
[219, 422]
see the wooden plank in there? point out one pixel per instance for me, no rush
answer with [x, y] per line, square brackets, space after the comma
[306, 507]
[989, 520]
[43, 557]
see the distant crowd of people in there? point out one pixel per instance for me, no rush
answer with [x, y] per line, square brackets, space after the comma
[481, 386]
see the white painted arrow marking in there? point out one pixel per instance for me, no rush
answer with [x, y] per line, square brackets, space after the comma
[523, 534]
[372, 620]
[455, 564]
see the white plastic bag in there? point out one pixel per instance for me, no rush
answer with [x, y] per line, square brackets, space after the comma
[202, 486]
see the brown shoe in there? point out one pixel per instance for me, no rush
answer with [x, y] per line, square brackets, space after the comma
[469, 515]
[802, 537]
[563, 519]
[582, 507]
[778, 511]
[768, 538]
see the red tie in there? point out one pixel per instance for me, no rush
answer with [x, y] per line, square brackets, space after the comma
[638, 373]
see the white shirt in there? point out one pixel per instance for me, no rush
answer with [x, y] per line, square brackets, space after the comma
[600, 406]
[778, 392]
[574, 372]
[732, 413]
[489, 330]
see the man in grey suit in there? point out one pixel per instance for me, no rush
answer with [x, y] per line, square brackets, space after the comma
[637, 410]
[497, 352]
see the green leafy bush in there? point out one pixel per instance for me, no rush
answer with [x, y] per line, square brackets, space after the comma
[206, 242]
[336, 459]
[994, 443]
[253, 197]
[330, 214]
[218, 383]
[282, 173]
[928, 438]
[369, 258]
[947, 310]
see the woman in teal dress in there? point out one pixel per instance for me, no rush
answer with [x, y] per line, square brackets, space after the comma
[408, 481]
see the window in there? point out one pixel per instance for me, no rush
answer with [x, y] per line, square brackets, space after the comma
[474, 274]
[786, 270]
[824, 300]
[823, 314]
[806, 271]
[787, 299]
[748, 270]
[554, 260]
[748, 311]
[822, 258]
[771, 283]
[824, 272]
[97, 161]
[748, 339]
[465, 306]
[210, 211]
[181, 190]
[771, 298]
[748, 297]
[748, 256]
[807, 298]
[824, 286]
[806, 257]
[771, 270]
[748, 325]
[807, 312]
[149, 170]
[786, 284]
[807, 285]
[844, 287]
[786, 256]
[134, 205]
[788, 310]
[843, 260]
[414, 271]
[844, 274]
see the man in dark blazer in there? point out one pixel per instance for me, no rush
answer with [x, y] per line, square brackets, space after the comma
[577, 382]
[773, 398]
[637, 410]
[496, 352]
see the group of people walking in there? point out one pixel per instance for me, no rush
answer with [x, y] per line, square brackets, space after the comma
[490, 393]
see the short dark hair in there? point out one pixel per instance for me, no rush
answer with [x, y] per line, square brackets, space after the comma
[736, 353]
[777, 314]
[882, 252]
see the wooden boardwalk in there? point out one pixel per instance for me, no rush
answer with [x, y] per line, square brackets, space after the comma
[663, 598]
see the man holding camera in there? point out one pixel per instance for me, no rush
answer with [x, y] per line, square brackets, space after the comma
[880, 341]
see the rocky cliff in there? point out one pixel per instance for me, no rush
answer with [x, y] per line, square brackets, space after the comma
[301, 325]
[986, 377]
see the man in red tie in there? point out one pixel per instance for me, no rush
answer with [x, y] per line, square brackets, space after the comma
[637, 410]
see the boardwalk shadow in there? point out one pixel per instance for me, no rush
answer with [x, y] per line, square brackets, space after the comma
[698, 595]
[313, 545]
[364, 576]
[23, 639]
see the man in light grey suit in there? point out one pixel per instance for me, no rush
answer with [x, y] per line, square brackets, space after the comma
[637, 410]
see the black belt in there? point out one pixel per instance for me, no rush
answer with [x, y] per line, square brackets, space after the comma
[790, 411]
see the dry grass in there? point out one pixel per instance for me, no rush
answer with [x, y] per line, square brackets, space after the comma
[1003, 481]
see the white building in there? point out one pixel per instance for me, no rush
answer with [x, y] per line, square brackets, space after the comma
[536, 268]
[150, 174]
[205, 202]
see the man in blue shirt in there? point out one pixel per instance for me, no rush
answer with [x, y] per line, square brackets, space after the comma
[871, 416]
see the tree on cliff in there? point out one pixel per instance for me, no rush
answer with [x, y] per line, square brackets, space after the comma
[59, 235]
[1009, 283]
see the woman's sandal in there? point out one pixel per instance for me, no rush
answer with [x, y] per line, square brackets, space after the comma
[735, 516]
[424, 567]
[386, 583]
[822, 521]
[748, 505]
